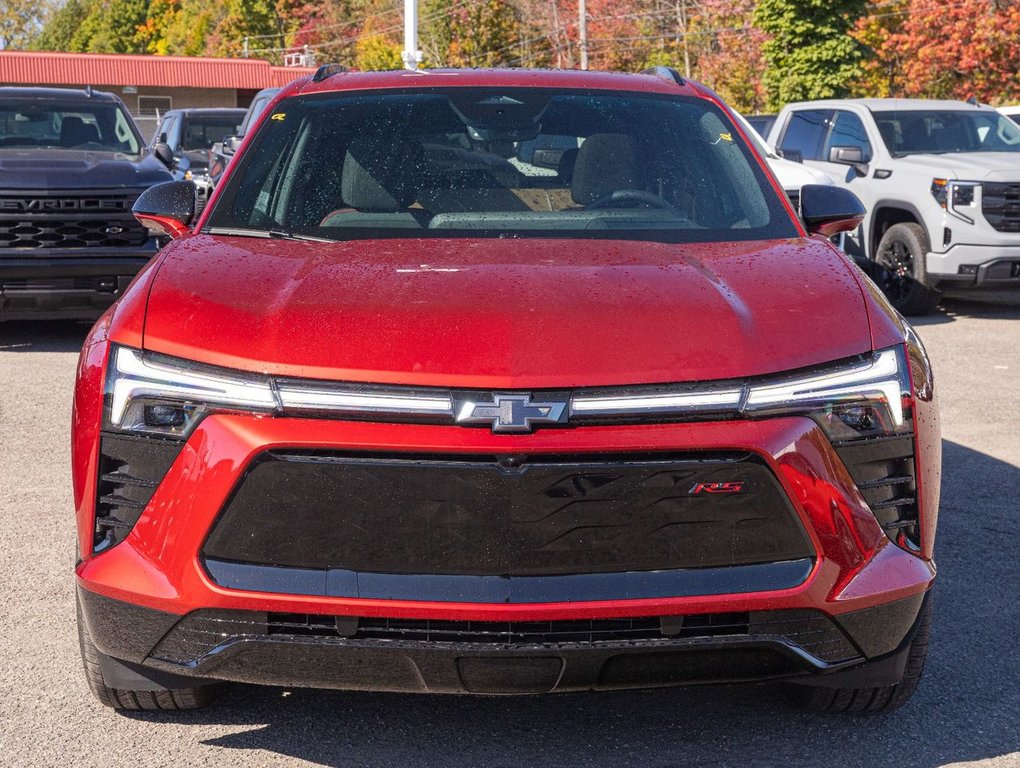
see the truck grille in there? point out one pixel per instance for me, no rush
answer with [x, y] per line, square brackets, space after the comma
[38, 220]
[1000, 204]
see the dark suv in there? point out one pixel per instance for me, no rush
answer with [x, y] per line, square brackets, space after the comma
[72, 164]
[222, 151]
[184, 138]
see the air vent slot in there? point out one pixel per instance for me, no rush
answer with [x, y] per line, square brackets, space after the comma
[883, 469]
[130, 469]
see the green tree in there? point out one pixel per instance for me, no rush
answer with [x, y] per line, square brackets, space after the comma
[20, 22]
[375, 52]
[255, 20]
[60, 27]
[117, 27]
[809, 52]
[485, 35]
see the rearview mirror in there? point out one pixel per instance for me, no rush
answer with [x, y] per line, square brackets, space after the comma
[829, 210]
[166, 209]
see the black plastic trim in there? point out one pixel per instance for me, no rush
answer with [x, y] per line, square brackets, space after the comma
[627, 585]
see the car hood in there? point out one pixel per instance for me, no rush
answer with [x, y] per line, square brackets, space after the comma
[793, 175]
[511, 313]
[967, 166]
[72, 169]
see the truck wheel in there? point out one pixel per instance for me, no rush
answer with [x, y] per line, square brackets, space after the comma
[901, 272]
[880, 699]
[118, 698]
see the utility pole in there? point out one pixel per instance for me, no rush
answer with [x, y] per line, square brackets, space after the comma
[411, 55]
[582, 32]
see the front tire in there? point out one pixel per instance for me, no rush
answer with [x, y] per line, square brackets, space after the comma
[878, 699]
[164, 699]
[901, 271]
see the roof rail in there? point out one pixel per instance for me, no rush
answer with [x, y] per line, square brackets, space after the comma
[88, 91]
[666, 73]
[327, 70]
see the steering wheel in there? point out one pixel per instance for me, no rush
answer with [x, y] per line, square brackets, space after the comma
[631, 196]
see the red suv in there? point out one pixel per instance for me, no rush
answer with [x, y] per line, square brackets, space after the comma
[503, 382]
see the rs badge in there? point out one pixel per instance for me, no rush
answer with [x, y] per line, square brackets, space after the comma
[732, 487]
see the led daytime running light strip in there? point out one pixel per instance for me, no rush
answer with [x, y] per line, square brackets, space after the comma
[139, 376]
[877, 378]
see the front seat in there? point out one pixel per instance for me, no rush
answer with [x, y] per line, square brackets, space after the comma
[75, 131]
[380, 179]
[606, 163]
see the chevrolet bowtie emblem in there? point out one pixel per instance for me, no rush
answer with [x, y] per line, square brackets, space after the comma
[510, 413]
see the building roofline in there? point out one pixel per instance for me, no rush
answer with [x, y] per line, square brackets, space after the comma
[122, 69]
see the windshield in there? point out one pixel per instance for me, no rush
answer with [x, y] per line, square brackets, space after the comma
[911, 132]
[82, 125]
[203, 132]
[500, 162]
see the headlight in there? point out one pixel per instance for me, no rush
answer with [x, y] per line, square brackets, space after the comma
[857, 398]
[953, 194]
[166, 396]
[160, 395]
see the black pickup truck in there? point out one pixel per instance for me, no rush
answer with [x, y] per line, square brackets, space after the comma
[72, 164]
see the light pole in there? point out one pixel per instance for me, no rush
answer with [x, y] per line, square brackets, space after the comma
[411, 55]
[582, 34]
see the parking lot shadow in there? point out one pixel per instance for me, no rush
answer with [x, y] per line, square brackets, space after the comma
[950, 309]
[967, 709]
[43, 335]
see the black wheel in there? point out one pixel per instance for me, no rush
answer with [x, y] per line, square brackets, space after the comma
[164, 699]
[901, 272]
[880, 699]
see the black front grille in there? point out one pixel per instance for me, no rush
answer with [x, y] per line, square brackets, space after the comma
[204, 632]
[492, 516]
[130, 469]
[883, 469]
[51, 219]
[1000, 204]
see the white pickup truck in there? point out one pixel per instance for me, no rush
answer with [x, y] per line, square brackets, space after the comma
[940, 180]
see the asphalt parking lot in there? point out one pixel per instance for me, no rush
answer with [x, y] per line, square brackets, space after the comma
[966, 712]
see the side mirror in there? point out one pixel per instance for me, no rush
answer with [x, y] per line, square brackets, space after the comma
[829, 210]
[230, 144]
[846, 155]
[166, 209]
[849, 156]
[164, 154]
[793, 155]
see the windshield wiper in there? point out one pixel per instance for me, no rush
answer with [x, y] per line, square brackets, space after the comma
[278, 234]
[266, 234]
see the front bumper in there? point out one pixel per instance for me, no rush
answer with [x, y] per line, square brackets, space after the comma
[157, 574]
[969, 267]
[866, 647]
[79, 285]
